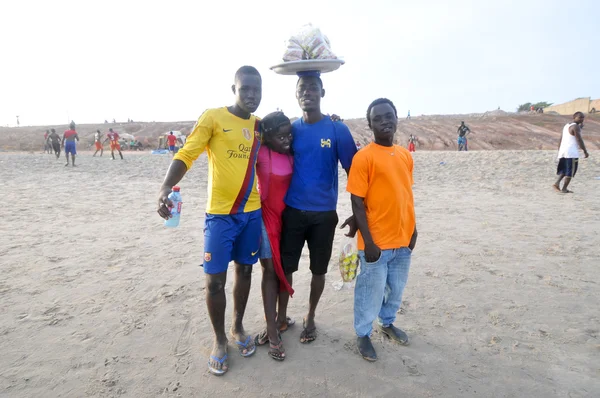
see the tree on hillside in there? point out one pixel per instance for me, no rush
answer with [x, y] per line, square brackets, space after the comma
[542, 104]
[526, 106]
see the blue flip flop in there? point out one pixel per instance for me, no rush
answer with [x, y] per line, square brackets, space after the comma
[217, 372]
[244, 346]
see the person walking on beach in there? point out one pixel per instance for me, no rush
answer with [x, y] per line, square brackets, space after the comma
[232, 230]
[47, 146]
[462, 131]
[113, 137]
[54, 140]
[380, 184]
[181, 140]
[98, 143]
[569, 146]
[408, 116]
[68, 142]
[411, 143]
[310, 214]
[171, 140]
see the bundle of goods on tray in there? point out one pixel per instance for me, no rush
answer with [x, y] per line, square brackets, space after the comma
[308, 50]
[308, 43]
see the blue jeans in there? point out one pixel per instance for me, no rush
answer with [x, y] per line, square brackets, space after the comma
[379, 287]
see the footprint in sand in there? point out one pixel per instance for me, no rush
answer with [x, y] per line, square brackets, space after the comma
[110, 379]
[182, 365]
[411, 366]
[183, 345]
[351, 346]
[173, 387]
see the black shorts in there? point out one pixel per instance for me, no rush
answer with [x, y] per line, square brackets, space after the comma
[317, 228]
[56, 146]
[567, 167]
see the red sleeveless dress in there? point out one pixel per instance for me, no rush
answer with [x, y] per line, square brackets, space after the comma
[272, 210]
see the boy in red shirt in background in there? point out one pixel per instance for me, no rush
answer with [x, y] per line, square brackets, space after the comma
[411, 143]
[68, 141]
[113, 137]
[171, 141]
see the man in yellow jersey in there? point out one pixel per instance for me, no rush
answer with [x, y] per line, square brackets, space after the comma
[231, 138]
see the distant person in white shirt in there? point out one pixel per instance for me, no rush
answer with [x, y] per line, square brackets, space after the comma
[568, 152]
[98, 143]
[181, 139]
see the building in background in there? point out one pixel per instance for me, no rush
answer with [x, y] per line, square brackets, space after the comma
[584, 104]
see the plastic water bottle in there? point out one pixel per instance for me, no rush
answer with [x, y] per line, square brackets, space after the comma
[175, 197]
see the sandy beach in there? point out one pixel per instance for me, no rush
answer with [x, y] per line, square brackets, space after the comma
[98, 299]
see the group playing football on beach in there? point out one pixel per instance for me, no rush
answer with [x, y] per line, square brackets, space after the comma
[54, 143]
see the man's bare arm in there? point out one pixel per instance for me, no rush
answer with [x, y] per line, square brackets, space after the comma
[413, 240]
[577, 133]
[372, 251]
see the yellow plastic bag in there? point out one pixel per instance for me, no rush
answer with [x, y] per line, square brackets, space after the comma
[348, 259]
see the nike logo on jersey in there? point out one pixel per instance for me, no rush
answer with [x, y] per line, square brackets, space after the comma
[254, 253]
[226, 130]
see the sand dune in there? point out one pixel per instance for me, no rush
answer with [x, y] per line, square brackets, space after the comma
[98, 299]
[491, 130]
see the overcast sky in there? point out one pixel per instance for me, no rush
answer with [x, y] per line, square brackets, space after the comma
[170, 60]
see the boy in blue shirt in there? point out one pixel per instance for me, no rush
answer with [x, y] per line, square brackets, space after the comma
[310, 215]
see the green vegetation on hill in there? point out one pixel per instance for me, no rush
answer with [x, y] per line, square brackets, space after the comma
[526, 106]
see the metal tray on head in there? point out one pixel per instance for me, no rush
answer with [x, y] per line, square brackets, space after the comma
[321, 65]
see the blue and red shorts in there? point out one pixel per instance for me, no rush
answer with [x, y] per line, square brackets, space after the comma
[70, 147]
[230, 237]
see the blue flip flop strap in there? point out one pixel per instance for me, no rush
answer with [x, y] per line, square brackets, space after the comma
[245, 345]
[221, 360]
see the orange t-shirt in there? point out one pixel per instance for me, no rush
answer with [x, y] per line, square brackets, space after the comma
[383, 176]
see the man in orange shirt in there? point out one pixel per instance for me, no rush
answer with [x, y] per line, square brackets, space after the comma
[380, 183]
